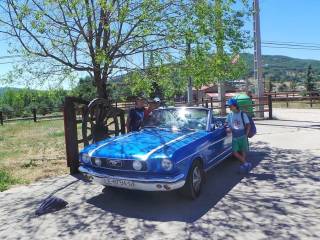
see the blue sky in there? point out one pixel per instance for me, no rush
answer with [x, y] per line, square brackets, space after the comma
[281, 21]
[291, 21]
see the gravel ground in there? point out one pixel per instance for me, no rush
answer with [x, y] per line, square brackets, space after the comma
[279, 199]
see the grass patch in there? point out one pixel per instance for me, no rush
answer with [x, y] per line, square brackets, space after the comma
[30, 151]
[56, 134]
[6, 180]
[295, 104]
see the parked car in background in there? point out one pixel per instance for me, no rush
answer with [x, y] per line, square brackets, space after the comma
[174, 150]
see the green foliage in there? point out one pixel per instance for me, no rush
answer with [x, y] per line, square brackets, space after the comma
[97, 37]
[210, 36]
[7, 110]
[119, 92]
[283, 87]
[309, 82]
[6, 180]
[293, 85]
[20, 102]
[84, 89]
[140, 84]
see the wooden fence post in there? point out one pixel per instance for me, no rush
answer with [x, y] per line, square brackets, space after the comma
[287, 100]
[207, 104]
[34, 113]
[202, 103]
[1, 118]
[211, 102]
[71, 136]
[270, 106]
[123, 123]
[310, 96]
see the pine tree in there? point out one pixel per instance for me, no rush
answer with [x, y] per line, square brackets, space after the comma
[309, 82]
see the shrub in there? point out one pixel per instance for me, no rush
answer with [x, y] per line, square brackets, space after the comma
[6, 180]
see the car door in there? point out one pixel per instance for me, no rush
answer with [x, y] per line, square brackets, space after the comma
[219, 123]
[215, 142]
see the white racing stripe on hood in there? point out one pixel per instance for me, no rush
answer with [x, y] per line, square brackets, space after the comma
[145, 157]
[101, 146]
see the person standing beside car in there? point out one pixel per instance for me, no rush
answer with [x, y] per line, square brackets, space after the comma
[136, 115]
[238, 124]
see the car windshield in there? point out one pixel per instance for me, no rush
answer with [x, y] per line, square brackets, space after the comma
[178, 118]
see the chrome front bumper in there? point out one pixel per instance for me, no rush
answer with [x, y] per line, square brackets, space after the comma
[156, 184]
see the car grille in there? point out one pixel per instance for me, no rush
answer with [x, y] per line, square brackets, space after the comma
[118, 164]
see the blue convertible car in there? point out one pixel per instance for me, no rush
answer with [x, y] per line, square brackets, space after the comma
[174, 149]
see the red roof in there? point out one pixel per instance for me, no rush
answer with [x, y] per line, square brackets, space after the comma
[203, 88]
[215, 95]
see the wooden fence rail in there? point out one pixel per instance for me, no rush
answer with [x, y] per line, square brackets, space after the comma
[212, 103]
[309, 98]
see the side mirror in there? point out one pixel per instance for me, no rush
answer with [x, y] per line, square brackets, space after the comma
[212, 127]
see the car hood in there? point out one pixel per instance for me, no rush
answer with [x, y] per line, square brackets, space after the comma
[148, 143]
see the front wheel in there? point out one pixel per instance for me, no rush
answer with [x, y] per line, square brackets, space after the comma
[195, 179]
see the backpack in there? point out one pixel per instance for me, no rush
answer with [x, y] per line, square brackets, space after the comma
[253, 129]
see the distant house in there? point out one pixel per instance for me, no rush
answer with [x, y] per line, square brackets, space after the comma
[212, 90]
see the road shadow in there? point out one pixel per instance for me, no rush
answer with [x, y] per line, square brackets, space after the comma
[171, 206]
[279, 200]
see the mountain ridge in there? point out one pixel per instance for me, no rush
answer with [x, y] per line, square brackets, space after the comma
[280, 68]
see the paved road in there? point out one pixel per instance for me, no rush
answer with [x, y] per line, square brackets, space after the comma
[280, 199]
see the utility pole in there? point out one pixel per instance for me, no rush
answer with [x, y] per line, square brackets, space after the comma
[189, 94]
[257, 58]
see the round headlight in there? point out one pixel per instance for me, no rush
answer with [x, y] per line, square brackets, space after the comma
[97, 161]
[85, 158]
[166, 164]
[137, 165]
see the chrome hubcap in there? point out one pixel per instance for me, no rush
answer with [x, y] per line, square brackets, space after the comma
[196, 179]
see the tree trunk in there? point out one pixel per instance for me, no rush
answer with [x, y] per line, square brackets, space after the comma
[101, 85]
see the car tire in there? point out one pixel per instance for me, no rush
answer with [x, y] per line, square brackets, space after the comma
[194, 181]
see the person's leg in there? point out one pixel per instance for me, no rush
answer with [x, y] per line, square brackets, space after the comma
[244, 150]
[236, 148]
[239, 156]
[244, 156]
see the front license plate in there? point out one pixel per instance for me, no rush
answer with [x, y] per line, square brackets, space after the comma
[119, 183]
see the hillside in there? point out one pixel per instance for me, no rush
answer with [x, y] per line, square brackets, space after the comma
[4, 89]
[283, 68]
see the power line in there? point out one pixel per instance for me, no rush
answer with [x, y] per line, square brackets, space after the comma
[291, 45]
[303, 43]
[296, 48]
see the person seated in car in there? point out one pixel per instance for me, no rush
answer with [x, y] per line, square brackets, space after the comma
[152, 105]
